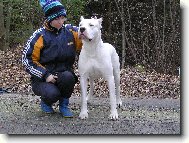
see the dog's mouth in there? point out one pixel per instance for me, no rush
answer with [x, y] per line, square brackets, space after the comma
[83, 36]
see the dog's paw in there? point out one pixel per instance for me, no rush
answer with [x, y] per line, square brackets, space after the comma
[114, 116]
[83, 115]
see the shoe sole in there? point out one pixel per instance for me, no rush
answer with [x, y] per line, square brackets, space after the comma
[48, 112]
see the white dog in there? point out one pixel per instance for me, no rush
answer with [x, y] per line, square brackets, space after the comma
[97, 59]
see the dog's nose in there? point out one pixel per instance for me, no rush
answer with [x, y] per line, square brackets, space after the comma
[82, 29]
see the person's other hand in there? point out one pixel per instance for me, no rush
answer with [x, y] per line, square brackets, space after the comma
[51, 78]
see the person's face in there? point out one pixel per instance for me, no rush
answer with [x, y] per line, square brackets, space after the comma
[58, 22]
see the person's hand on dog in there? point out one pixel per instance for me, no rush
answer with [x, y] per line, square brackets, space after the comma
[51, 78]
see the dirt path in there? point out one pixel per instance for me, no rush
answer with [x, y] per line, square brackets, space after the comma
[20, 114]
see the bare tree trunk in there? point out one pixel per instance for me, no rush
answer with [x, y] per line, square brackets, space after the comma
[8, 21]
[156, 36]
[124, 34]
[132, 45]
[123, 47]
[2, 28]
[163, 39]
[31, 18]
[110, 25]
[121, 13]
[123, 38]
[173, 34]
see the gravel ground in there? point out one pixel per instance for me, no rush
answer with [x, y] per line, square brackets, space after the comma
[21, 114]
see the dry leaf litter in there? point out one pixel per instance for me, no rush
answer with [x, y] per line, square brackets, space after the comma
[135, 82]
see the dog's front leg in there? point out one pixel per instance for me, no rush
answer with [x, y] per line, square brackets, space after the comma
[111, 86]
[90, 95]
[84, 112]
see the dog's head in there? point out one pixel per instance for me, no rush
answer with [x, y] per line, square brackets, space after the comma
[89, 29]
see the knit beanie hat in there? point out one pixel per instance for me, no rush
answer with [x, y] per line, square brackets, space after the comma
[52, 9]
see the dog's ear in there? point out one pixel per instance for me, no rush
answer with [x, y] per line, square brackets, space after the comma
[100, 22]
[93, 17]
[81, 18]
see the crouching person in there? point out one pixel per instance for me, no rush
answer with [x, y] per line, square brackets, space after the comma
[49, 56]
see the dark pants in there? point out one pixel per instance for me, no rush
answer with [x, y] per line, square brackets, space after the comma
[51, 93]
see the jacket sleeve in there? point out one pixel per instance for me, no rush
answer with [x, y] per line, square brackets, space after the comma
[31, 57]
[74, 30]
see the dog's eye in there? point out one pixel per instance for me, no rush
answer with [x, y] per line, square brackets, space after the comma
[91, 25]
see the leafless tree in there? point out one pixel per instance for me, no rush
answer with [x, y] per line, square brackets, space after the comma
[2, 28]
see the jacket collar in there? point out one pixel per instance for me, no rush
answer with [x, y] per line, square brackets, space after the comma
[50, 28]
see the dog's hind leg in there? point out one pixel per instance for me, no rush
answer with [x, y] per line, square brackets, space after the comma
[111, 87]
[84, 112]
[117, 87]
[116, 73]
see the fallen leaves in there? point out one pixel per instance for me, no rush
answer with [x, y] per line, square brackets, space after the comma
[12, 72]
[135, 81]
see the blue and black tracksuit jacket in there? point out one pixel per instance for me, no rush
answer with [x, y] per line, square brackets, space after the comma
[50, 50]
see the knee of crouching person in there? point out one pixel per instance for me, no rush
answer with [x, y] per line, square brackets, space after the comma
[66, 77]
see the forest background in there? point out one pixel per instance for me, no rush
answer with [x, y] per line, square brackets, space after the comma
[144, 32]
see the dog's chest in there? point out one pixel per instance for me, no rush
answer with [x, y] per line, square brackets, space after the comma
[95, 64]
[94, 68]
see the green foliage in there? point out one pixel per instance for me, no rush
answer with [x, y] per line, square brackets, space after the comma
[25, 16]
[22, 17]
[75, 8]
